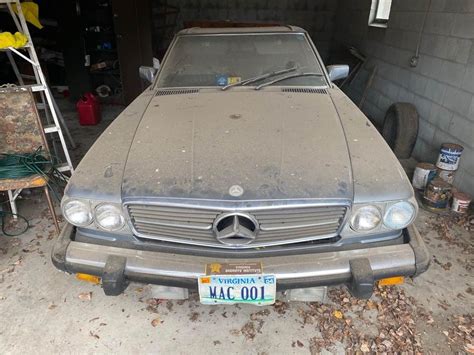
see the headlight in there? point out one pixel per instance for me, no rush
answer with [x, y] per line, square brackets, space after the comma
[399, 215]
[365, 219]
[77, 213]
[109, 217]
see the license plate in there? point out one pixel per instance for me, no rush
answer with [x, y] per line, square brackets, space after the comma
[229, 289]
[237, 283]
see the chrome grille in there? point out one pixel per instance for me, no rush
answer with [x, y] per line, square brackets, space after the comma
[193, 225]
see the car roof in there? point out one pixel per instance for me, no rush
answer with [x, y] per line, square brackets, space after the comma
[226, 30]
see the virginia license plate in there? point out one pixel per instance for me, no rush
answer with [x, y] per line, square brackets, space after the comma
[232, 283]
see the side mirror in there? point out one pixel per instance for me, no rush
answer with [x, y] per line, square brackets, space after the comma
[339, 71]
[156, 63]
[147, 73]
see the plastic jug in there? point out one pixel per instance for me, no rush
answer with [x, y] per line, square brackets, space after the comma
[89, 109]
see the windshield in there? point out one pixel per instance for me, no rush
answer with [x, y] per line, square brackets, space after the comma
[225, 59]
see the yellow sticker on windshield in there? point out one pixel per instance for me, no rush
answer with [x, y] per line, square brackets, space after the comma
[233, 79]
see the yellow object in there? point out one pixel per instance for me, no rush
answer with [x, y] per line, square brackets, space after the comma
[89, 278]
[38, 182]
[31, 12]
[396, 280]
[233, 80]
[9, 40]
[215, 267]
[337, 314]
[205, 280]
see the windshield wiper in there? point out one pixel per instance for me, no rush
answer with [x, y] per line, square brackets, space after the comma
[286, 77]
[259, 77]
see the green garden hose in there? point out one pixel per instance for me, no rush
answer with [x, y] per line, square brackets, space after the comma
[17, 166]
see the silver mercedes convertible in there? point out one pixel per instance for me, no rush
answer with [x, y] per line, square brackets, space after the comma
[241, 171]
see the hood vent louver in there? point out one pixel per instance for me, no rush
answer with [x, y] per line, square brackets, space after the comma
[176, 92]
[305, 90]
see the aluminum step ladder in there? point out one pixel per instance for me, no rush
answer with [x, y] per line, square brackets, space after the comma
[47, 103]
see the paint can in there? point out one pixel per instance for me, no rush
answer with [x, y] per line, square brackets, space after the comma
[436, 196]
[446, 175]
[424, 173]
[449, 156]
[460, 202]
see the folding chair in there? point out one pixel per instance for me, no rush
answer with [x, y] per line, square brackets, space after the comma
[21, 132]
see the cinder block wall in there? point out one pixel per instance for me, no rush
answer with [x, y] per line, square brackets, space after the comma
[316, 16]
[441, 86]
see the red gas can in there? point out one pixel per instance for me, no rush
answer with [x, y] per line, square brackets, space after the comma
[89, 109]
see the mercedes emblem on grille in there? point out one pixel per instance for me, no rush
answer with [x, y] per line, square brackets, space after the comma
[235, 228]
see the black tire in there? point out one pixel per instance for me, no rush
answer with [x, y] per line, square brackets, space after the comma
[400, 128]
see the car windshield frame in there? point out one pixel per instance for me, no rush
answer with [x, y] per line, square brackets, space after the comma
[308, 40]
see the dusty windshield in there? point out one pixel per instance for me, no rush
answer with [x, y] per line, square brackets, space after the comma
[221, 60]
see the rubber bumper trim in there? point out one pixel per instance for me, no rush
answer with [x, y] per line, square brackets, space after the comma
[362, 283]
[113, 277]
[422, 256]
[58, 253]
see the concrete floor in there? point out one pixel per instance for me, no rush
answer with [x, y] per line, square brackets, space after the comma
[46, 311]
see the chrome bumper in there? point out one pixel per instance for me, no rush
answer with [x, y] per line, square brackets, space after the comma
[359, 268]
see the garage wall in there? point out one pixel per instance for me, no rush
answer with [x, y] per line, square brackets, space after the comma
[441, 86]
[316, 16]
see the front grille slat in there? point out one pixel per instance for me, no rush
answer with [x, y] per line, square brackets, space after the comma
[298, 212]
[162, 217]
[307, 234]
[292, 226]
[194, 225]
[306, 231]
[166, 215]
[302, 229]
[186, 225]
[173, 233]
[297, 219]
[172, 211]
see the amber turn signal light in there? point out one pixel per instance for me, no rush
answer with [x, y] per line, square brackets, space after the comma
[89, 278]
[396, 280]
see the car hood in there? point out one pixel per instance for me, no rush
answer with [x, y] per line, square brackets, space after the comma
[271, 144]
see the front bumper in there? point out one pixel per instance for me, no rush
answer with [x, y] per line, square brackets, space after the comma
[359, 269]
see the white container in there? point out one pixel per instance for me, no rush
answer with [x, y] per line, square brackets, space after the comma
[424, 173]
[460, 202]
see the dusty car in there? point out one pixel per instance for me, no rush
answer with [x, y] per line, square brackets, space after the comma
[241, 171]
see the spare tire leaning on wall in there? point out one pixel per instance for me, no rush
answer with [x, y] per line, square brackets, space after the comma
[400, 128]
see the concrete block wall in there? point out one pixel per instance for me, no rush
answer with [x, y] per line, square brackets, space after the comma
[316, 16]
[441, 86]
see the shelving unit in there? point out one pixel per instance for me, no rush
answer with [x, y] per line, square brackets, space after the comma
[100, 46]
[166, 15]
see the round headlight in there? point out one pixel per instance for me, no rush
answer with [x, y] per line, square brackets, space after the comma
[365, 219]
[399, 215]
[109, 217]
[77, 213]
